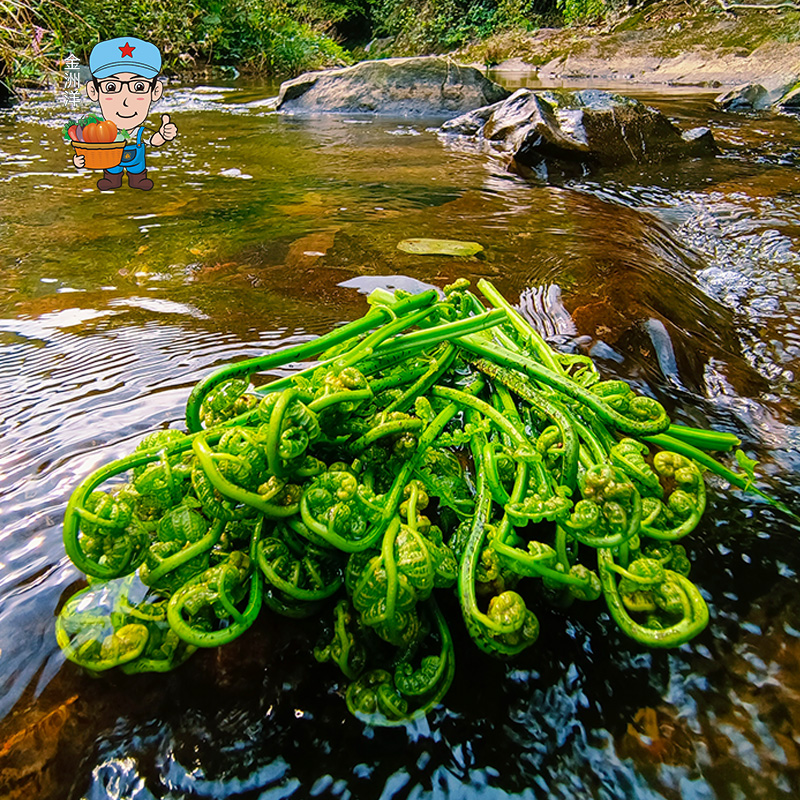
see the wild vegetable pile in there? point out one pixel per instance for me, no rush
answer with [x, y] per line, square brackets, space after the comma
[92, 128]
[432, 447]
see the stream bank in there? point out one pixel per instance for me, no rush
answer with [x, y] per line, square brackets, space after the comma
[670, 43]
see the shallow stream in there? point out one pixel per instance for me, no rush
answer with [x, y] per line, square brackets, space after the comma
[265, 230]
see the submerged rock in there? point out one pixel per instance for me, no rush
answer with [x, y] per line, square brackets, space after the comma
[589, 127]
[426, 86]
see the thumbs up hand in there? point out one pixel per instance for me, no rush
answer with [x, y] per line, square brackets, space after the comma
[167, 130]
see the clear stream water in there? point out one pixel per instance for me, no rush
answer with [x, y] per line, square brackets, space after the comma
[265, 230]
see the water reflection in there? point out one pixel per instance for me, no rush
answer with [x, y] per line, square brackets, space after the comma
[682, 281]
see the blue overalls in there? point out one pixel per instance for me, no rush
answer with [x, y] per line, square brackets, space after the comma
[132, 156]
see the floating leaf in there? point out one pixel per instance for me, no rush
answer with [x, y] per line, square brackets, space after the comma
[439, 247]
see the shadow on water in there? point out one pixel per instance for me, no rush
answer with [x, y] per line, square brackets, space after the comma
[265, 231]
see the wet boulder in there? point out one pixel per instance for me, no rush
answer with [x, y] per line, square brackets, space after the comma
[748, 97]
[587, 127]
[776, 95]
[420, 87]
[790, 102]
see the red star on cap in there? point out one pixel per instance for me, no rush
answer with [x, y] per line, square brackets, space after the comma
[127, 50]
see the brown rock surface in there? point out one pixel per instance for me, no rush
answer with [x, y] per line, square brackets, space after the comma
[587, 126]
[418, 87]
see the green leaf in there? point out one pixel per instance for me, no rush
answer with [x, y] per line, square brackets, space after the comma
[747, 465]
[439, 247]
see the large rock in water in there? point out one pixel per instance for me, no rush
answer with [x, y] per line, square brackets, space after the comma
[418, 87]
[790, 102]
[588, 127]
[747, 97]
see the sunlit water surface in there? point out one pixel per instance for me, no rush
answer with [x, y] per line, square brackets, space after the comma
[265, 230]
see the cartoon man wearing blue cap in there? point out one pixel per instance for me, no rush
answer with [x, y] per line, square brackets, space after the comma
[125, 82]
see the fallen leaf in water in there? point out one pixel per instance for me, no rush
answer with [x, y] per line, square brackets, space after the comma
[657, 737]
[46, 727]
[439, 247]
[219, 268]
[27, 756]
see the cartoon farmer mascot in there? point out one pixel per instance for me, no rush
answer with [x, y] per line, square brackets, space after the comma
[125, 83]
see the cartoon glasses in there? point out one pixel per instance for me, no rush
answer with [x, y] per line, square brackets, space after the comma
[136, 86]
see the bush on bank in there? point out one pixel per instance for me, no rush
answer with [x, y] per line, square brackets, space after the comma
[276, 37]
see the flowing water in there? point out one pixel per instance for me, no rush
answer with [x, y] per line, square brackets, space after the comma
[265, 230]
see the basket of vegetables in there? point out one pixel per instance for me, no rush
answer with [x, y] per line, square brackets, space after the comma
[98, 140]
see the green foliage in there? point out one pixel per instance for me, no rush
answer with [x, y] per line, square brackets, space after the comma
[327, 13]
[521, 13]
[264, 36]
[26, 45]
[421, 26]
[583, 10]
[425, 25]
[279, 37]
[282, 38]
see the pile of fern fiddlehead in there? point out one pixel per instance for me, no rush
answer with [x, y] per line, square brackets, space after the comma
[432, 446]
